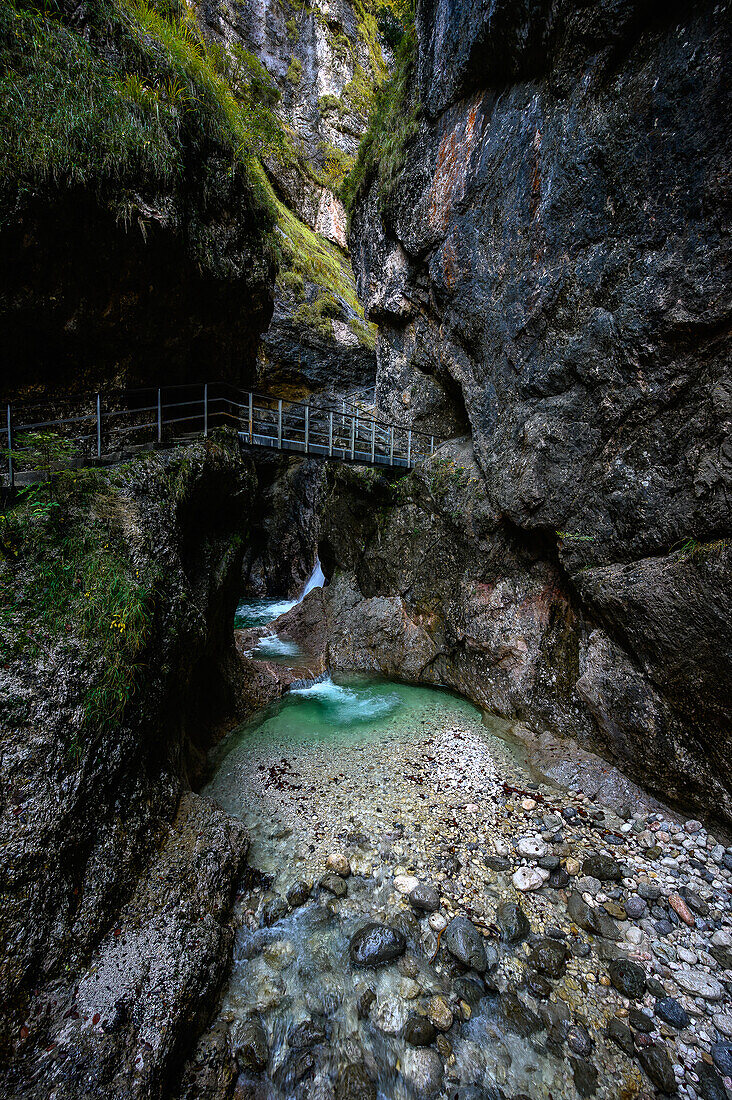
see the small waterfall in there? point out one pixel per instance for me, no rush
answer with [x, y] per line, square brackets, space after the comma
[315, 580]
[309, 681]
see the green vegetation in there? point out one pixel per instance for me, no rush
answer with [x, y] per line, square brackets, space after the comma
[691, 548]
[392, 125]
[294, 70]
[127, 102]
[66, 571]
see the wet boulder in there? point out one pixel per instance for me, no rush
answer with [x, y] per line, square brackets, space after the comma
[513, 922]
[376, 945]
[465, 943]
[629, 978]
[354, 1083]
[549, 957]
[251, 1049]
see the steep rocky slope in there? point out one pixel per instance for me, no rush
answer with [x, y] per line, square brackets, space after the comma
[118, 669]
[545, 246]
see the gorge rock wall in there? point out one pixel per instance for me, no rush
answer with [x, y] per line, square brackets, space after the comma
[550, 267]
[115, 893]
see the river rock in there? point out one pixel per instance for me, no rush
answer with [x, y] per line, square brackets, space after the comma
[437, 921]
[404, 884]
[298, 894]
[337, 864]
[439, 1013]
[364, 1003]
[465, 943]
[549, 957]
[334, 884]
[250, 1046]
[655, 1061]
[681, 909]
[621, 1035]
[722, 1054]
[273, 908]
[306, 1034]
[391, 1015]
[376, 945]
[512, 921]
[418, 1031]
[422, 1069]
[711, 1086]
[354, 1083]
[527, 878]
[425, 897]
[628, 978]
[532, 847]
[635, 907]
[603, 867]
[700, 984]
[578, 1039]
[671, 1012]
[585, 1077]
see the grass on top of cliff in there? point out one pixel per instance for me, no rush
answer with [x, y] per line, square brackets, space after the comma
[66, 572]
[132, 93]
[392, 125]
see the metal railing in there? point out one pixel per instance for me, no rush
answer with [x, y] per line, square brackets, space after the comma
[103, 427]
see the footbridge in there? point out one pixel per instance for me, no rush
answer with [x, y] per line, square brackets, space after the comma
[107, 427]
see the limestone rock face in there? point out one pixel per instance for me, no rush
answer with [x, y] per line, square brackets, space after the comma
[550, 271]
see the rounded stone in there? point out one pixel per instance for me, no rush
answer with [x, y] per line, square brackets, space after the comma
[512, 921]
[376, 944]
[578, 1039]
[549, 957]
[298, 894]
[439, 1013]
[628, 978]
[465, 943]
[531, 847]
[527, 878]
[635, 907]
[722, 1054]
[655, 1061]
[425, 897]
[437, 921]
[334, 884]
[354, 1083]
[603, 867]
[337, 864]
[418, 1031]
[404, 884]
[422, 1070]
[671, 1012]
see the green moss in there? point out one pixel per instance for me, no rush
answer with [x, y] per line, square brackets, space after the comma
[392, 125]
[294, 70]
[293, 31]
[66, 570]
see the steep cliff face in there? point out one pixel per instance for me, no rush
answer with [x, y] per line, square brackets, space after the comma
[118, 668]
[550, 263]
[320, 64]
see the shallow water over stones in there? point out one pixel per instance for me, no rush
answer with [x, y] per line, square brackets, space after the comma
[361, 795]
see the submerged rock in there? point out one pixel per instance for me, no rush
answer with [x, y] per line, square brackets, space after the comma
[250, 1046]
[354, 1083]
[629, 978]
[418, 1031]
[423, 1071]
[465, 943]
[376, 944]
[425, 897]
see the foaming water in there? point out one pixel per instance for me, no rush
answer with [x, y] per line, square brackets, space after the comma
[342, 706]
[252, 613]
[273, 648]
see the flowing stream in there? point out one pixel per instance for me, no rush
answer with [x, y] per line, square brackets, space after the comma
[400, 778]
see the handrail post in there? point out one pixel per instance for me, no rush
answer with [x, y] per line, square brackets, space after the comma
[373, 441]
[11, 472]
[251, 417]
[307, 429]
[432, 444]
[160, 417]
[205, 409]
[353, 437]
[391, 445]
[279, 424]
[330, 435]
[99, 425]
[409, 448]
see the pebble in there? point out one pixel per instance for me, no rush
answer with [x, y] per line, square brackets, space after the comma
[681, 909]
[425, 898]
[671, 1012]
[337, 864]
[334, 884]
[532, 847]
[463, 940]
[405, 884]
[439, 1013]
[423, 1071]
[527, 878]
[628, 978]
[376, 944]
[437, 921]
[418, 1031]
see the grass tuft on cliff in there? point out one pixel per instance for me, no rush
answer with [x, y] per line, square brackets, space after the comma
[132, 95]
[392, 125]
